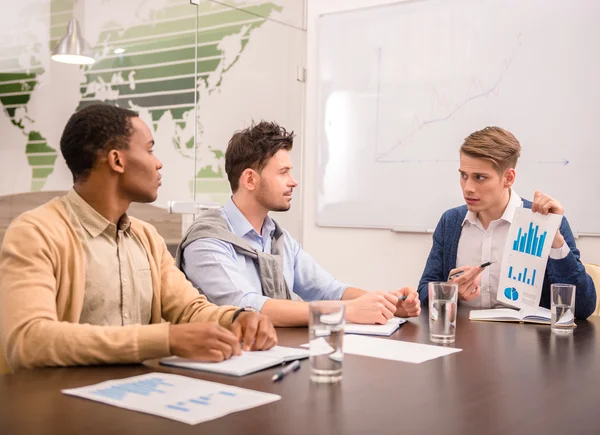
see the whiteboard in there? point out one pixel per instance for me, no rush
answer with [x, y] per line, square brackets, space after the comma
[402, 85]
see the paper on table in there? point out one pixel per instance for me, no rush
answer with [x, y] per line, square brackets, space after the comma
[566, 319]
[319, 346]
[394, 350]
[180, 398]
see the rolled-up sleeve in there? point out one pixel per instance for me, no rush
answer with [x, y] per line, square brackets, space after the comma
[311, 281]
[211, 266]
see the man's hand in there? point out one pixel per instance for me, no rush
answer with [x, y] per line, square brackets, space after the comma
[255, 330]
[545, 204]
[409, 307]
[468, 282]
[203, 341]
[371, 308]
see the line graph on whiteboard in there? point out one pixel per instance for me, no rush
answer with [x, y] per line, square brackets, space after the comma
[442, 109]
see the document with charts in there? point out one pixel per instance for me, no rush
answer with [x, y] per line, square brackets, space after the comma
[525, 257]
[180, 398]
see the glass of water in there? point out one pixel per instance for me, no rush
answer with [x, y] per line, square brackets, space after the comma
[326, 334]
[562, 307]
[442, 311]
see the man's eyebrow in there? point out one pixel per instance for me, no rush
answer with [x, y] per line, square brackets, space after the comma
[475, 173]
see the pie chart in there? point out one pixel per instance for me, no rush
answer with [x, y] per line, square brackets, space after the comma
[511, 293]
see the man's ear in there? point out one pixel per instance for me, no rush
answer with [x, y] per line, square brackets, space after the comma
[249, 179]
[116, 161]
[509, 177]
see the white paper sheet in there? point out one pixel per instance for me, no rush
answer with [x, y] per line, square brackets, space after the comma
[394, 350]
[180, 398]
[525, 257]
[415, 353]
[318, 346]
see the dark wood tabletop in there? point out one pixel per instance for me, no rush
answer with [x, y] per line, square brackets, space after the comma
[509, 379]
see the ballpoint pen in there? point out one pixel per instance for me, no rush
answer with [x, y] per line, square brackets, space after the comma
[292, 367]
[457, 274]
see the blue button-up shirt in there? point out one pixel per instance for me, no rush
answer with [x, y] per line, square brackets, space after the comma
[229, 278]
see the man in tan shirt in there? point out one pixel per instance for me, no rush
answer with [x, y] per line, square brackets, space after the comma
[83, 283]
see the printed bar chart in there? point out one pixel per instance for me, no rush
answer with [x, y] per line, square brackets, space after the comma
[530, 242]
[141, 388]
[522, 276]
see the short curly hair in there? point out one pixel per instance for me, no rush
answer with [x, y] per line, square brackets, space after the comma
[253, 147]
[93, 130]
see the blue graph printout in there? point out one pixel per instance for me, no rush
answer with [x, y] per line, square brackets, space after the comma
[176, 397]
[525, 258]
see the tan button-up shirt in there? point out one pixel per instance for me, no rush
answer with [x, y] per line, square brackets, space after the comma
[118, 285]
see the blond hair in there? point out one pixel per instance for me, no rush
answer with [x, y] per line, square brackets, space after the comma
[494, 144]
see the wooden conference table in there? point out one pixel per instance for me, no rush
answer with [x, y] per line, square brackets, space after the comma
[509, 379]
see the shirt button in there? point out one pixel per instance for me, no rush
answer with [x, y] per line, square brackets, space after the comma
[124, 279]
[126, 316]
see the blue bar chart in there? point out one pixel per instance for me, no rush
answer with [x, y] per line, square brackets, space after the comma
[529, 242]
[140, 388]
[205, 400]
[527, 276]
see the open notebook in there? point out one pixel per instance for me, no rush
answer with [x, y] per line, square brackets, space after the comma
[541, 315]
[244, 364]
[384, 330]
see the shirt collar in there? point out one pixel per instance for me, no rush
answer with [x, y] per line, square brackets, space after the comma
[239, 223]
[513, 203]
[92, 221]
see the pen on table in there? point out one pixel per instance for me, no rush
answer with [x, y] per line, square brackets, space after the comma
[291, 367]
[457, 274]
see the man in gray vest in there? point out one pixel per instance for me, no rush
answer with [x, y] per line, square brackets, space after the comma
[238, 255]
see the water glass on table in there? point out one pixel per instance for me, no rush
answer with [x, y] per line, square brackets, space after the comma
[326, 333]
[562, 307]
[443, 298]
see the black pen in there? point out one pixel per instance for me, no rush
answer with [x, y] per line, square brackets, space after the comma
[457, 274]
[292, 367]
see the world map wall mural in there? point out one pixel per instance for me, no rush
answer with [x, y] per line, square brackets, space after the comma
[145, 54]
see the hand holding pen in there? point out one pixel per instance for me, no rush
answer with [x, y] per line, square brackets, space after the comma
[468, 279]
[408, 304]
[455, 273]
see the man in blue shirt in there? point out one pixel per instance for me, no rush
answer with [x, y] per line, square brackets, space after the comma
[475, 233]
[240, 255]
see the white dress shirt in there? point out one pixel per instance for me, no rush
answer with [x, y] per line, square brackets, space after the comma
[478, 245]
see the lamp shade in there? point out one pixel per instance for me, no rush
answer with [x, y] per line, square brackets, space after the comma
[72, 48]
